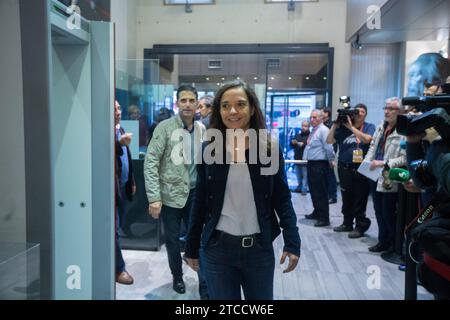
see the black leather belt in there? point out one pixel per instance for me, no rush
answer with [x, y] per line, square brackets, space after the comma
[242, 241]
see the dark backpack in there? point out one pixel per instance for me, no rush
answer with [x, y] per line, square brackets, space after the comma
[433, 236]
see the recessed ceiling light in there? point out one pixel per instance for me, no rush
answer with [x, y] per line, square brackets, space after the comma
[256, 78]
[307, 78]
[218, 83]
[237, 78]
[270, 88]
[272, 78]
[223, 79]
[324, 78]
[290, 78]
[207, 79]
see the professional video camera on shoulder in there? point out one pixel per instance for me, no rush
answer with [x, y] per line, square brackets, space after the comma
[435, 113]
[345, 110]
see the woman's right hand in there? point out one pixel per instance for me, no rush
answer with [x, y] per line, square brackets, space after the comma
[376, 163]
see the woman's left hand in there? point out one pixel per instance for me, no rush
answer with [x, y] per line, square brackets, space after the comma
[293, 261]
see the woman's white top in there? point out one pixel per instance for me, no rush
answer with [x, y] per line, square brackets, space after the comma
[239, 215]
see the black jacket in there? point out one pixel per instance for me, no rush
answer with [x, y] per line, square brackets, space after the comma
[298, 151]
[130, 183]
[271, 194]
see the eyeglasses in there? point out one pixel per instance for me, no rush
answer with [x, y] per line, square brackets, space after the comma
[390, 109]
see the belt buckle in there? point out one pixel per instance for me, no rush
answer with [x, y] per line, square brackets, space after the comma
[245, 242]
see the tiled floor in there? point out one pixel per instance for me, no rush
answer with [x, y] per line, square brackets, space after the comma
[332, 266]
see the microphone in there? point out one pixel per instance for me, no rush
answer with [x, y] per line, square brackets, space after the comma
[399, 175]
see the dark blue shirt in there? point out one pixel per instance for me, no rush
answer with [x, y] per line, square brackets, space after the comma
[347, 142]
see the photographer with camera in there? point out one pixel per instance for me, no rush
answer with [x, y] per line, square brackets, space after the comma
[353, 138]
[385, 152]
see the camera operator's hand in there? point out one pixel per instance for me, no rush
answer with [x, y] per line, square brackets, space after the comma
[349, 123]
[415, 138]
[411, 187]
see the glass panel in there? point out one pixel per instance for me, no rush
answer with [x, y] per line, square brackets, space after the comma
[19, 271]
[142, 96]
[294, 72]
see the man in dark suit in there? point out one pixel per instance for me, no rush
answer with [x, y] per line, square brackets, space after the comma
[125, 189]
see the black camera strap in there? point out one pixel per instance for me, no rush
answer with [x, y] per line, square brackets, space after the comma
[427, 212]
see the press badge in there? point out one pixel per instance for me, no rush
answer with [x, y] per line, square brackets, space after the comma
[357, 155]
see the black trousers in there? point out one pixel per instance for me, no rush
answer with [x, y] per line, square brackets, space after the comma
[355, 189]
[318, 188]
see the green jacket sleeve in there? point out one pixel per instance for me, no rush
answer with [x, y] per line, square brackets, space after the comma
[155, 152]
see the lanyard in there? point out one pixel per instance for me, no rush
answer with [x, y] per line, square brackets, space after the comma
[386, 134]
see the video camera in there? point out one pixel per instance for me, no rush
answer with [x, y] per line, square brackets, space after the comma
[436, 110]
[433, 235]
[346, 110]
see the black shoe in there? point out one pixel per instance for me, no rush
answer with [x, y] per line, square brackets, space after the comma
[322, 223]
[178, 286]
[356, 234]
[311, 216]
[379, 248]
[343, 228]
[331, 201]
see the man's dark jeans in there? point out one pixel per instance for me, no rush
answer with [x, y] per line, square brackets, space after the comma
[355, 189]
[172, 218]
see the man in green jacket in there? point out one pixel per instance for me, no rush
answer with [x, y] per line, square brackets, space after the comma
[170, 176]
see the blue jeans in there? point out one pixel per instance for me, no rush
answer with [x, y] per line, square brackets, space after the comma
[171, 218]
[228, 266]
[302, 177]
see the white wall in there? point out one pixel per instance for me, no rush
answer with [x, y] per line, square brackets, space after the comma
[123, 14]
[12, 160]
[249, 21]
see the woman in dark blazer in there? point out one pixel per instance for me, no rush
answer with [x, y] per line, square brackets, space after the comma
[236, 204]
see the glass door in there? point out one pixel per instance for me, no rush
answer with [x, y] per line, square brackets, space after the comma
[286, 114]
